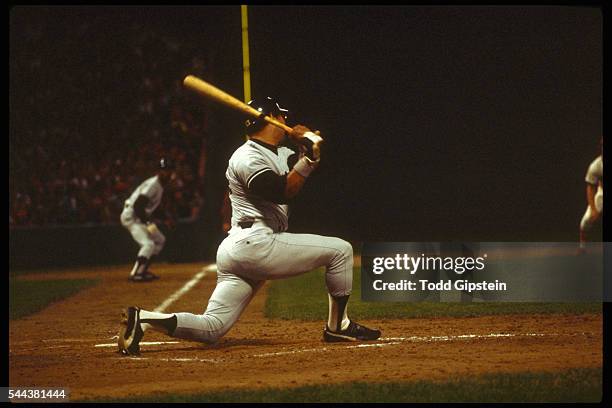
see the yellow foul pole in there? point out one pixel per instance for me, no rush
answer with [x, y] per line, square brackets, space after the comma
[246, 68]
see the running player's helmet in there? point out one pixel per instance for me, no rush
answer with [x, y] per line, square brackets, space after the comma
[166, 164]
[266, 106]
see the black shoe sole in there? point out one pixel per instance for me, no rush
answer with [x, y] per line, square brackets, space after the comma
[128, 327]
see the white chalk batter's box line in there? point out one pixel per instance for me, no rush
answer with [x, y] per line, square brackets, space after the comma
[388, 341]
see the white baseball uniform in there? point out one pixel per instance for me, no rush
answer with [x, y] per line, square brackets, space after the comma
[594, 176]
[253, 254]
[150, 238]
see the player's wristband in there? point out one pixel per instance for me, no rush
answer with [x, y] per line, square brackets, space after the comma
[305, 166]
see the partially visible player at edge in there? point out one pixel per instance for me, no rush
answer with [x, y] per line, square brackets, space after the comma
[263, 176]
[135, 217]
[594, 193]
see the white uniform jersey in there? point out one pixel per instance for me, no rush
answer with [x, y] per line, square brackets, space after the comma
[595, 172]
[151, 188]
[248, 161]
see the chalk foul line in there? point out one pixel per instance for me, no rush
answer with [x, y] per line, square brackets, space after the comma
[186, 288]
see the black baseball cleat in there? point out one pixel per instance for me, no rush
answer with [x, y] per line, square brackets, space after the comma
[354, 332]
[131, 333]
[143, 277]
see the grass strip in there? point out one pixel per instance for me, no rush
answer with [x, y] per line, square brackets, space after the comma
[305, 298]
[27, 297]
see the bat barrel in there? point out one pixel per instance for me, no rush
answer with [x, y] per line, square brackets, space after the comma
[210, 91]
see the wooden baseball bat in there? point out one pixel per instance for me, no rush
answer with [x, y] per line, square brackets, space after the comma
[205, 89]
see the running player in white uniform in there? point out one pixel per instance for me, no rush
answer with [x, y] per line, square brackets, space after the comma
[137, 210]
[263, 176]
[594, 192]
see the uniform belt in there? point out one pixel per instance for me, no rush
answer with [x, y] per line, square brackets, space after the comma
[258, 222]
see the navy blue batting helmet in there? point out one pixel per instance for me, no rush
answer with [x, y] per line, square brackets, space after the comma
[267, 106]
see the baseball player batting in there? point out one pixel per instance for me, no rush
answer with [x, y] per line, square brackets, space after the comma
[137, 210]
[594, 193]
[263, 176]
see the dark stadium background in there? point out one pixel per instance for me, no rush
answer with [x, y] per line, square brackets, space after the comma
[441, 123]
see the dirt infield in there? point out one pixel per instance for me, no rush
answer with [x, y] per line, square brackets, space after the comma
[72, 344]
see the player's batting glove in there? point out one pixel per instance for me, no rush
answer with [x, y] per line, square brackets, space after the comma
[310, 146]
[311, 154]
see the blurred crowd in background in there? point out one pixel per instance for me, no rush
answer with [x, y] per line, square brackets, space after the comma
[88, 124]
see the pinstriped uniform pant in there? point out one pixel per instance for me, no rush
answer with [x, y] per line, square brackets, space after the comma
[249, 257]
